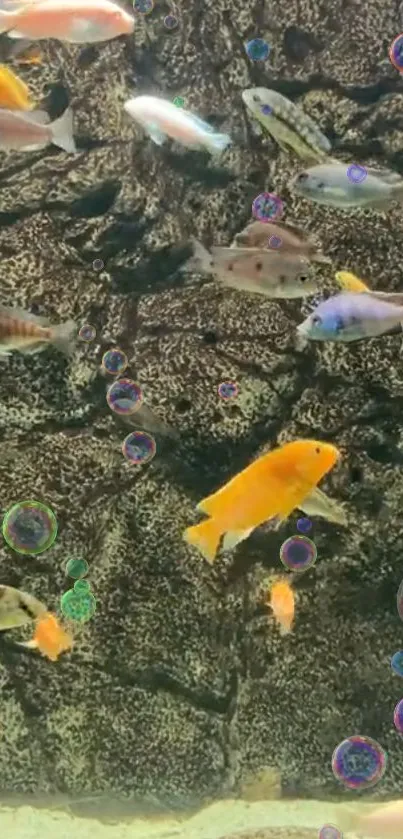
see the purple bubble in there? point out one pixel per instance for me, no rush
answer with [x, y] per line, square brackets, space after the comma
[124, 397]
[228, 390]
[298, 553]
[359, 762]
[398, 717]
[267, 207]
[139, 447]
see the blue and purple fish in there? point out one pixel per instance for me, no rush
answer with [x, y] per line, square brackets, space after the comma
[353, 317]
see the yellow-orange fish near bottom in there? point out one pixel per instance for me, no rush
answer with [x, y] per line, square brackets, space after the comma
[282, 602]
[50, 638]
[270, 487]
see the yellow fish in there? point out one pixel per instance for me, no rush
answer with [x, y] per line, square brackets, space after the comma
[269, 488]
[14, 94]
[349, 282]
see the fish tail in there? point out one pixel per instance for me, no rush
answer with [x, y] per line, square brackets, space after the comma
[322, 259]
[62, 132]
[219, 142]
[201, 259]
[204, 536]
[63, 337]
[7, 20]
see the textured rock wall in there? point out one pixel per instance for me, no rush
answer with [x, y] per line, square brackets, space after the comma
[181, 689]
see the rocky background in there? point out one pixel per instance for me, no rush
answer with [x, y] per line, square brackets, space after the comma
[180, 689]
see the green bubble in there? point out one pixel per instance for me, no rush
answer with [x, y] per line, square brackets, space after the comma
[29, 527]
[76, 568]
[77, 606]
[82, 586]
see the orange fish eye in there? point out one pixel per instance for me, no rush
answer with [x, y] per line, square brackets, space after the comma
[317, 450]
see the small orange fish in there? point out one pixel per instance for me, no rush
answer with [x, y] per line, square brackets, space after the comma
[31, 58]
[282, 602]
[269, 488]
[50, 638]
[14, 94]
[19, 330]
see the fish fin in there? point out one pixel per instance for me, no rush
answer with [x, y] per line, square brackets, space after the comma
[7, 19]
[217, 143]
[317, 503]
[201, 259]
[62, 132]
[277, 521]
[234, 537]
[30, 645]
[13, 33]
[388, 296]
[22, 314]
[321, 258]
[64, 336]
[206, 537]
[32, 349]
[155, 134]
[40, 117]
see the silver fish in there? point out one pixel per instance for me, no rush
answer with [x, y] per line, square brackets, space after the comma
[32, 130]
[287, 239]
[18, 608]
[330, 184]
[351, 317]
[288, 124]
[256, 270]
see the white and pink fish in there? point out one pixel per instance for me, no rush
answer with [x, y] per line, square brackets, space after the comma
[74, 21]
[32, 130]
[161, 119]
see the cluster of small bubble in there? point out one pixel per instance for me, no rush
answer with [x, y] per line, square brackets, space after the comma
[228, 390]
[360, 762]
[124, 397]
[298, 553]
[145, 7]
[397, 665]
[78, 604]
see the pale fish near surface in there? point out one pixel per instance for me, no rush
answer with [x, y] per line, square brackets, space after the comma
[32, 130]
[256, 271]
[352, 317]
[288, 124]
[329, 184]
[161, 119]
[74, 21]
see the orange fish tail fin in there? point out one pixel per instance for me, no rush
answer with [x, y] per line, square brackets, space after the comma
[64, 337]
[7, 20]
[285, 627]
[206, 537]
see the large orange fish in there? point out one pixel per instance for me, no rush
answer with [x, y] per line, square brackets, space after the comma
[74, 21]
[270, 487]
[14, 93]
[49, 638]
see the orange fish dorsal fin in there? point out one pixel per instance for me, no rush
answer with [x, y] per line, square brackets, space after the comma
[50, 638]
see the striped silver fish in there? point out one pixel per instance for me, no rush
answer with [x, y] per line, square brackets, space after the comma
[289, 125]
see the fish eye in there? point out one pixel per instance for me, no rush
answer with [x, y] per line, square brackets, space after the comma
[316, 320]
[256, 99]
[303, 278]
[317, 450]
[302, 177]
[259, 266]
[231, 266]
